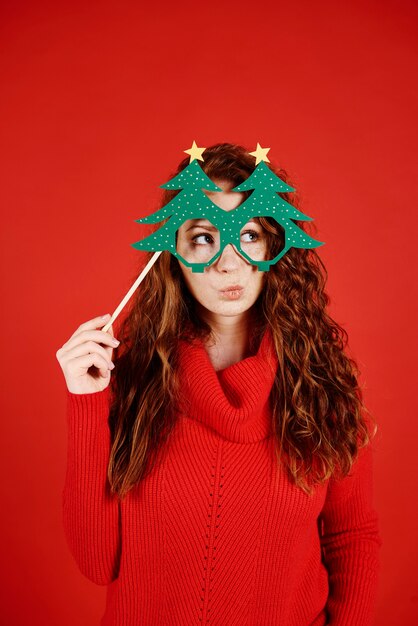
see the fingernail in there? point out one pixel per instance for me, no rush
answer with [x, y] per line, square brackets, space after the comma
[103, 317]
[115, 342]
[111, 365]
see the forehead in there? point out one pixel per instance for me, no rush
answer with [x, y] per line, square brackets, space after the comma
[225, 199]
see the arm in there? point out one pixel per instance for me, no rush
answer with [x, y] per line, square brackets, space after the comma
[351, 541]
[90, 512]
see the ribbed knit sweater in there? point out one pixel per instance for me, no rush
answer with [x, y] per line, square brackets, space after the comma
[217, 533]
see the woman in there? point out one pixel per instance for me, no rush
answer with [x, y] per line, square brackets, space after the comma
[223, 473]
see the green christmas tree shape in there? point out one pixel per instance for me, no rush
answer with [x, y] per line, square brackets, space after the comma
[191, 203]
[264, 202]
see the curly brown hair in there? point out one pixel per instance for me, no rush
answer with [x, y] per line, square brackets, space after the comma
[318, 413]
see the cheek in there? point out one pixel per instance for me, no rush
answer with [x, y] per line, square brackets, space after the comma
[192, 280]
[258, 280]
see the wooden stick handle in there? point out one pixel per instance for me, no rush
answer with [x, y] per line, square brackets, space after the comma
[131, 290]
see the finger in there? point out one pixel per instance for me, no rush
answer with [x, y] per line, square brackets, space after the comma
[84, 348]
[80, 365]
[109, 349]
[96, 322]
[89, 335]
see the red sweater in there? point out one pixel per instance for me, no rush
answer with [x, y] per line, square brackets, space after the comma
[217, 534]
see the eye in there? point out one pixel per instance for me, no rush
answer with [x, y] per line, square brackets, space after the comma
[253, 235]
[205, 236]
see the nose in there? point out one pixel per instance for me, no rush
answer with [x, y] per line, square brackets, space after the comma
[230, 259]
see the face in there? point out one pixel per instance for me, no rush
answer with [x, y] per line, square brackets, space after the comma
[229, 270]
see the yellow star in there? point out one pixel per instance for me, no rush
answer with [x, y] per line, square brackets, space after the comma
[260, 154]
[195, 152]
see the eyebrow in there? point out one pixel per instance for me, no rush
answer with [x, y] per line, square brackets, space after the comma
[213, 228]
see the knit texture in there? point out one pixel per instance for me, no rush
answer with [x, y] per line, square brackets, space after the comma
[217, 533]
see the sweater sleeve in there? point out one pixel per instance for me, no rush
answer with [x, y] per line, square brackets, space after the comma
[351, 541]
[90, 511]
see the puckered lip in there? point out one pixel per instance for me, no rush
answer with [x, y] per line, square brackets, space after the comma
[232, 288]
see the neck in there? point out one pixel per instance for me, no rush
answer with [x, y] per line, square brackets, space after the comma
[230, 339]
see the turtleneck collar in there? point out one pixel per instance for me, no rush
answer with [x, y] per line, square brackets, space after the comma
[234, 402]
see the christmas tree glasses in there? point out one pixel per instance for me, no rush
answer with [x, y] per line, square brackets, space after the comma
[192, 205]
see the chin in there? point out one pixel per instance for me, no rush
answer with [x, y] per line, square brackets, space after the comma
[234, 307]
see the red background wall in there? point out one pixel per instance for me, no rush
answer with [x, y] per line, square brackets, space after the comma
[98, 102]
